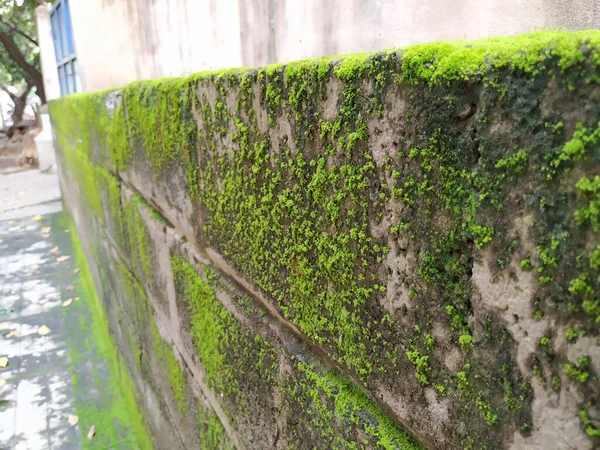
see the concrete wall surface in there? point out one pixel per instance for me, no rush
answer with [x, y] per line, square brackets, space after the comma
[390, 250]
[119, 41]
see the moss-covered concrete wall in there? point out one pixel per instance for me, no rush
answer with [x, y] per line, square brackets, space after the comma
[393, 250]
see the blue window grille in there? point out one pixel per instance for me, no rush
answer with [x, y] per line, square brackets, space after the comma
[64, 48]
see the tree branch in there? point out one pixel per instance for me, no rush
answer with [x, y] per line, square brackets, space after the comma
[10, 94]
[18, 31]
[32, 75]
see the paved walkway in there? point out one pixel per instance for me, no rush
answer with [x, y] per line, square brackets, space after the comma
[55, 372]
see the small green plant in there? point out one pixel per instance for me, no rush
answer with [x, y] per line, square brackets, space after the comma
[526, 264]
[578, 372]
[429, 341]
[556, 383]
[595, 259]
[466, 342]
[482, 235]
[571, 335]
[421, 364]
[591, 212]
[545, 341]
[581, 286]
[591, 431]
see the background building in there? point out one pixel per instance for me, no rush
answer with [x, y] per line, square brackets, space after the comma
[101, 44]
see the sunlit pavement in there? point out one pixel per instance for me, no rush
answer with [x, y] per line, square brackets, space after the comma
[55, 382]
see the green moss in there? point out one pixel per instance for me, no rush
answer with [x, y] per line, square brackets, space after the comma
[212, 433]
[421, 364]
[591, 212]
[218, 336]
[578, 371]
[142, 252]
[297, 215]
[166, 357]
[443, 62]
[526, 264]
[574, 150]
[571, 335]
[123, 407]
[466, 342]
[352, 405]
[591, 431]
[556, 383]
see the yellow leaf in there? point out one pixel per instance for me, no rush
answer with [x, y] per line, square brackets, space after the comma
[13, 333]
[43, 330]
[38, 218]
[62, 258]
[76, 270]
[45, 229]
[17, 228]
[3, 362]
[76, 299]
[4, 326]
[73, 420]
[2, 382]
[67, 302]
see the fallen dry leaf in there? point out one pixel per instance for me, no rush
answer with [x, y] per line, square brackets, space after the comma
[62, 258]
[41, 261]
[73, 420]
[4, 326]
[17, 228]
[70, 287]
[77, 270]
[67, 302]
[43, 330]
[76, 299]
[0, 241]
[67, 231]
[2, 382]
[55, 251]
[92, 432]
[3, 362]
[38, 218]
[13, 333]
[45, 229]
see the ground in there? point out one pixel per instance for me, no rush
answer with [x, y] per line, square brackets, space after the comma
[56, 359]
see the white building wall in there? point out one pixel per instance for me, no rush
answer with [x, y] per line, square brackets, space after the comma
[123, 40]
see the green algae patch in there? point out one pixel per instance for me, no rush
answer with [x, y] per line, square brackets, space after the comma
[105, 393]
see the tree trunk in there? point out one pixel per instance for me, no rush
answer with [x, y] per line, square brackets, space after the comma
[32, 75]
[20, 104]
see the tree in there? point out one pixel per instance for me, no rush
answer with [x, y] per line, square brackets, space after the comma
[20, 53]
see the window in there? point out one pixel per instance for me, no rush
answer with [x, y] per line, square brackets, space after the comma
[60, 20]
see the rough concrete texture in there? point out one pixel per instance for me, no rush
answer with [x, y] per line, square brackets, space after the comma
[397, 250]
